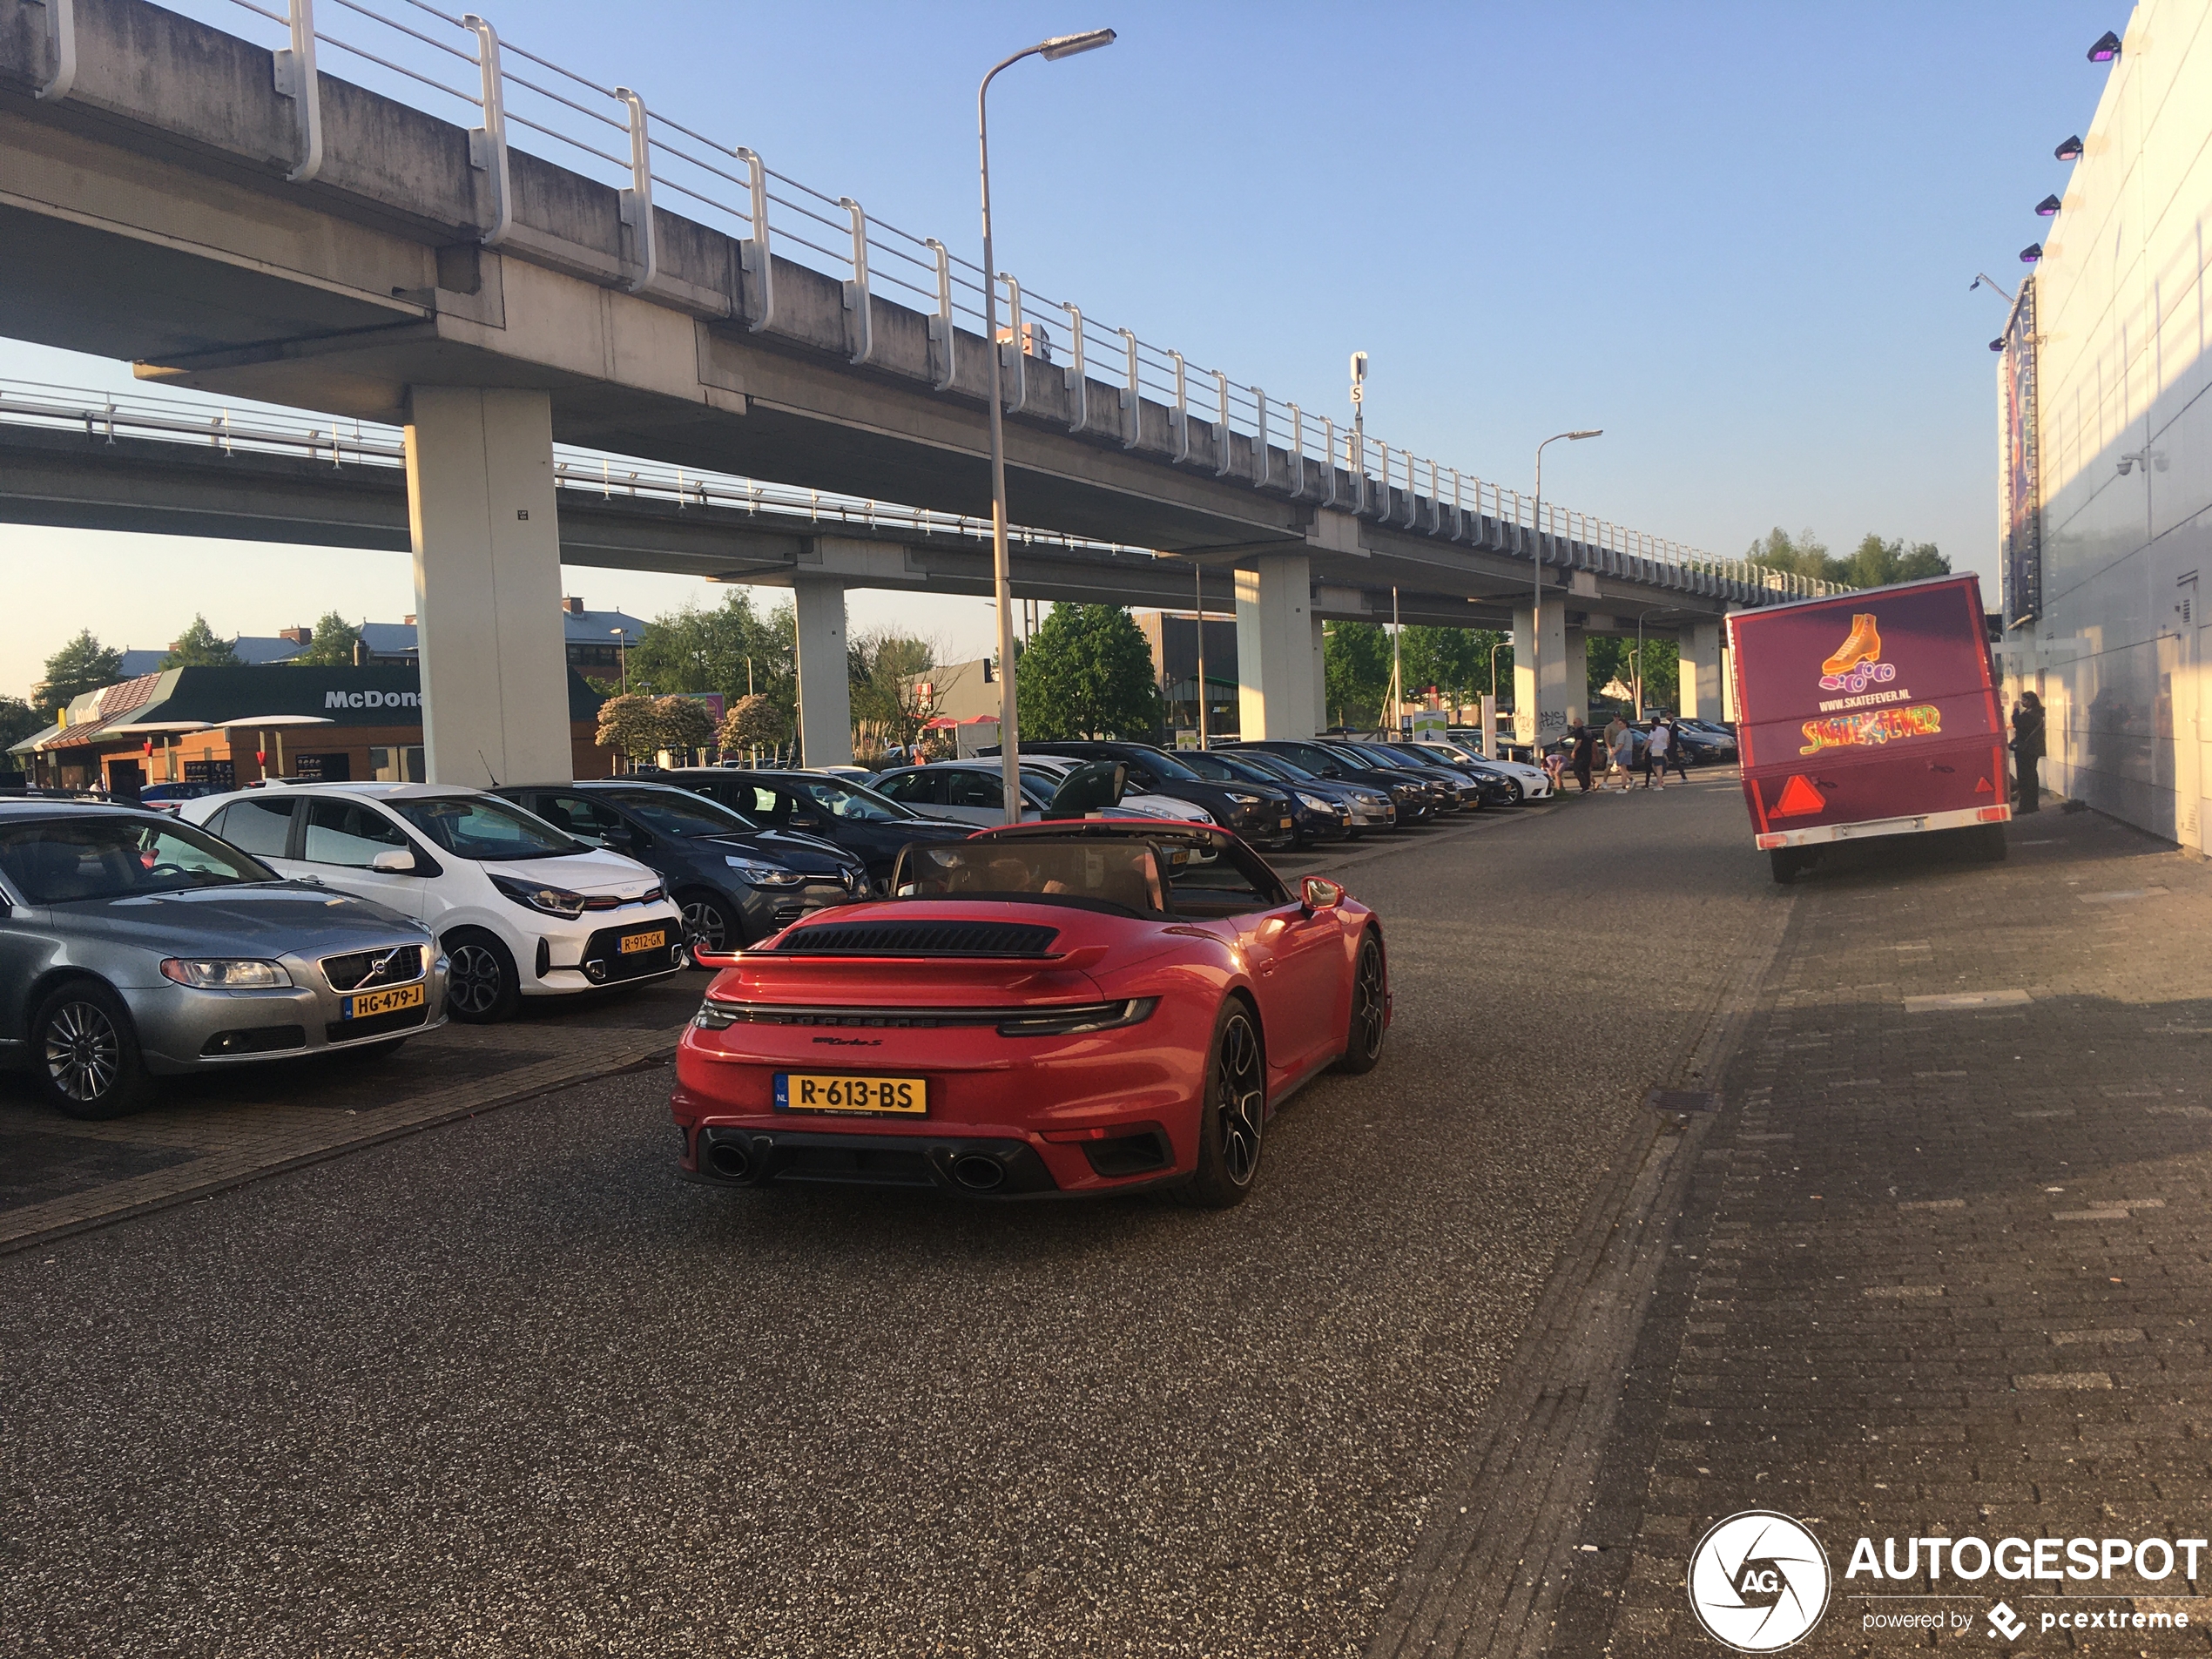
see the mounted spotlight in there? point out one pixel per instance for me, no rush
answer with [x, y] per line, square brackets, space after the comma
[2106, 49]
[1997, 344]
[2127, 465]
[2070, 150]
[2031, 253]
[2048, 206]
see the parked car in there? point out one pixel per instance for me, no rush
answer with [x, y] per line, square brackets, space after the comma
[1534, 782]
[865, 824]
[520, 907]
[1209, 993]
[1366, 806]
[1454, 791]
[1704, 745]
[1314, 817]
[963, 792]
[1414, 801]
[735, 881]
[168, 798]
[1258, 812]
[133, 946]
[1054, 770]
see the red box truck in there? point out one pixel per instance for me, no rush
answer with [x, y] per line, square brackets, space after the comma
[1870, 713]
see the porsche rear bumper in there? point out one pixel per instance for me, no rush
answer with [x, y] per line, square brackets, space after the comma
[971, 1166]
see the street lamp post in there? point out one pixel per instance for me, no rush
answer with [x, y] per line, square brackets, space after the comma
[1002, 570]
[1536, 602]
[622, 655]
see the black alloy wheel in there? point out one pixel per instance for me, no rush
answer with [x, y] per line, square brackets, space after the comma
[707, 926]
[1232, 1118]
[1370, 1020]
[481, 985]
[87, 1053]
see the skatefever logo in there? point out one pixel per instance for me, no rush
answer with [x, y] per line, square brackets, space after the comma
[1758, 1581]
[1857, 662]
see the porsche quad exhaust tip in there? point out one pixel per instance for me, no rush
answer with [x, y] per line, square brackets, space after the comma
[978, 1173]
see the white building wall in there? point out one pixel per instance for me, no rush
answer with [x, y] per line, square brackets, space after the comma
[2119, 653]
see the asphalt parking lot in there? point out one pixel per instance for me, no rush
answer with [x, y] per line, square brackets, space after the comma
[508, 1386]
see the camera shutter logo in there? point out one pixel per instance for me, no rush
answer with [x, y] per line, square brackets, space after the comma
[1758, 1581]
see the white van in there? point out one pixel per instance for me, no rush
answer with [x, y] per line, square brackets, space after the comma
[521, 908]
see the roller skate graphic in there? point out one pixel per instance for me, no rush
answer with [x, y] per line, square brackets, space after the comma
[1857, 662]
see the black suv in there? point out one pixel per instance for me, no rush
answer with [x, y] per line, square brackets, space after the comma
[1262, 814]
[736, 881]
[865, 824]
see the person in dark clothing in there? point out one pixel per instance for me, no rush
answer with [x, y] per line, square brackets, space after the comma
[1675, 758]
[2027, 750]
[1585, 754]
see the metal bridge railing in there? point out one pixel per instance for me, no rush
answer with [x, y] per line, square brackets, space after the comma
[460, 68]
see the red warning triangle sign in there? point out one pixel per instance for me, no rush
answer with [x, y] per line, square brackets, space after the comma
[1984, 787]
[1798, 799]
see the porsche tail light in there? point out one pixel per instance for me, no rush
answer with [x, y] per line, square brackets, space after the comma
[1079, 1021]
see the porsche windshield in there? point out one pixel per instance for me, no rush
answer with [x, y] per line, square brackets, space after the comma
[1125, 875]
[113, 858]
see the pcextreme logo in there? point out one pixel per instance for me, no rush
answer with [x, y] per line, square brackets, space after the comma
[1857, 662]
[1758, 1581]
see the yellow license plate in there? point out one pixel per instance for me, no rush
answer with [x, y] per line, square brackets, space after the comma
[361, 1004]
[632, 943]
[815, 1091]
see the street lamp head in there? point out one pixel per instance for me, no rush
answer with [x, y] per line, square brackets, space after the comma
[1068, 45]
[1594, 432]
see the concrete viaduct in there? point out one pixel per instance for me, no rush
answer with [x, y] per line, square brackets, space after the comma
[231, 219]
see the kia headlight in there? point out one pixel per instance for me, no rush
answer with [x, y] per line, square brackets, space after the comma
[766, 875]
[539, 896]
[226, 973]
[1243, 799]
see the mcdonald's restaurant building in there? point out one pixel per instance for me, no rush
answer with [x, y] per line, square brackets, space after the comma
[230, 726]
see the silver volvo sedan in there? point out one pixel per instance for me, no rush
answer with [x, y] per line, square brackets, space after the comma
[133, 946]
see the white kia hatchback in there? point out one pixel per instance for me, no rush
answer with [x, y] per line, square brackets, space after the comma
[521, 908]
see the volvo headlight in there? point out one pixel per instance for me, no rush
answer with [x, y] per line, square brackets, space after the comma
[548, 900]
[766, 875]
[226, 973]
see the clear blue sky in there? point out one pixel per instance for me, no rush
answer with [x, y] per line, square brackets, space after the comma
[1738, 238]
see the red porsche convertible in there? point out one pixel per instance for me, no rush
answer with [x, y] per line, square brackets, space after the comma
[1057, 1007]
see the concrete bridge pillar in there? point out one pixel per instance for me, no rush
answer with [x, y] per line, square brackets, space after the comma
[1274, 653]
[1701, 672]
[1578, 676]
[1320, 678]
[487, 541]
[824, 690]
[1542, 707]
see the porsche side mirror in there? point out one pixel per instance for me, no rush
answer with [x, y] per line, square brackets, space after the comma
[395, 862]
[1321, 894]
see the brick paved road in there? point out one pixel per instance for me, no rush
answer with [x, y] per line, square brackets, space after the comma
[508, 1388]
[1943, 1268]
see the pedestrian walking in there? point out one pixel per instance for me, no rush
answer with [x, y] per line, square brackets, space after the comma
[1585, 754]
[1675, 751]
[1654, 753]
[1620, 752]
[2027, 751]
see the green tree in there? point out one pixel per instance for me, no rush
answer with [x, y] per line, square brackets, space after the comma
[332, 645]
[1454, 660]
[686, 724]
[1804, 555]
[1355, 665]
[1875, 563]
[885, 671]
[694, 650]
[200, 646]
[753, 723]
[1087, 674]
[17, 721]
[631, 726]
[82, 665]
